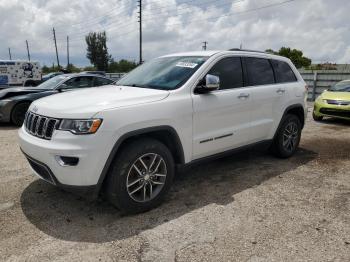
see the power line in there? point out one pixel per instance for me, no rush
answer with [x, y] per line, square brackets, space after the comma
[209, 18]
[238, 13]
[166, 12]
[158, 15]
[111, 22]
[94, 20]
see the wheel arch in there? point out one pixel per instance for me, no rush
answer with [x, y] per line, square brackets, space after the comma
[165, 134]
[295, 109]
[16, 104]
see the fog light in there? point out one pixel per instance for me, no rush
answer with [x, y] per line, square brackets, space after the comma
[67, 160]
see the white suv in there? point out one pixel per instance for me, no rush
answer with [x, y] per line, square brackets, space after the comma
[125, 140]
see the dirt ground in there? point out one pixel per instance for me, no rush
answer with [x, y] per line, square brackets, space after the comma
[246, 207]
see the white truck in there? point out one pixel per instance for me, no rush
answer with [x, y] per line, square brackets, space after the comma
[19, 73]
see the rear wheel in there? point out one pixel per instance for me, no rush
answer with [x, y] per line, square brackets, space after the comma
[316, 118]
[140, 176]
[287, 138]
[18, 113]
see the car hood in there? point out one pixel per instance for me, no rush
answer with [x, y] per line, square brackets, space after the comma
[336, 95]
[18, 91]
[87, 102]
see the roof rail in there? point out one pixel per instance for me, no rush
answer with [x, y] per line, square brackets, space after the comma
[246, 50]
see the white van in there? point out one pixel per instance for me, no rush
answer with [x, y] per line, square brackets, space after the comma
[16, 72]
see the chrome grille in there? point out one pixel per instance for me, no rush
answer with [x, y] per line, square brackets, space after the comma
[40, 126]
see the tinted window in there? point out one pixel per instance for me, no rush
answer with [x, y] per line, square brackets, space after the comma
[80, 82]
[230, 72]
[259, 71]
[99, 81]
[283, 72]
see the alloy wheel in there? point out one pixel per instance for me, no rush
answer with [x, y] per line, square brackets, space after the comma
[146, 177]
[290, 136]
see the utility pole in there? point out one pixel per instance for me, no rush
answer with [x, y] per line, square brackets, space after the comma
[205, 45]
[54, 38]
[10, 54]
[67, 51]
[28, 50]
[140, 23]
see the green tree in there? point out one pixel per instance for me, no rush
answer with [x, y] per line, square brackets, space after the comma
[97, 51]
[122, 66]
[45, 69]
[90, 68]
[295, 55]
[73, 69]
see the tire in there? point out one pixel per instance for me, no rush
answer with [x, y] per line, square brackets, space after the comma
[287, 138]
[18, 113]
[316, 118]
[123, 172]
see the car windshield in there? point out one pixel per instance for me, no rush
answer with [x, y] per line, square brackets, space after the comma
[52, 83]
[341, 87]
[165, 73]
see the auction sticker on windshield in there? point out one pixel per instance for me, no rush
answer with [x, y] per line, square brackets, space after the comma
[186, 64]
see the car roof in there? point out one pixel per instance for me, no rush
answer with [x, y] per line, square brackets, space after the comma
[84, 74]
[231, 51]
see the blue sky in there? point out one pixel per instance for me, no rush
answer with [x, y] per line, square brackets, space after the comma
[318, 27]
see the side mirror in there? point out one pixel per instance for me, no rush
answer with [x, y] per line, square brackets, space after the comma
[208, 84]
[62, 87]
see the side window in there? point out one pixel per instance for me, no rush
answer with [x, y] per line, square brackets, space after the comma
[230, 72]
[283, 72]
[259, 71]
[80, 82]
[99, 81]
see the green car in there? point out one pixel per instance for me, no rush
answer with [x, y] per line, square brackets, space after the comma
[334, 102]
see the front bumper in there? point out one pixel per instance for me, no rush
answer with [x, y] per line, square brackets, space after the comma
[322, 108]
[45, 173]
[92, 151]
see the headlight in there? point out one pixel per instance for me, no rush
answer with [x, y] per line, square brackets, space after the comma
[80, 127]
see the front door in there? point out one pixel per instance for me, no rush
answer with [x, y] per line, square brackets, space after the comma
[221, 119]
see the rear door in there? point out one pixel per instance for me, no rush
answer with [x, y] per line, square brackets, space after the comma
[266, 95]
[221, 119]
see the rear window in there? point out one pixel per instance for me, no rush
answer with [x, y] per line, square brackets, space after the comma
[259, 71]
[283, 72]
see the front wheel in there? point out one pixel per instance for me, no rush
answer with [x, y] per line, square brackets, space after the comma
[140, 176]
[287, 138]
[18, 113]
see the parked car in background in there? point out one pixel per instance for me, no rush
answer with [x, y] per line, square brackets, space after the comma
[17, 73]
[126, 140]
[14, 102]
[102, 73]
[334, 102]
[50, 75]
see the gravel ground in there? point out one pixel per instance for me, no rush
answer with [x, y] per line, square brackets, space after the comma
[246, 207]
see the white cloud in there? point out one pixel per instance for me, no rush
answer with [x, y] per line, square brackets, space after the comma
[318, 27]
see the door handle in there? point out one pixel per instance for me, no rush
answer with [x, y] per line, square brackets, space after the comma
[280, 91]
[243, 95]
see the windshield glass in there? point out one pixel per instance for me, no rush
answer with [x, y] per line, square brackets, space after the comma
[52, 83]
[341, 87]
[165, 73]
